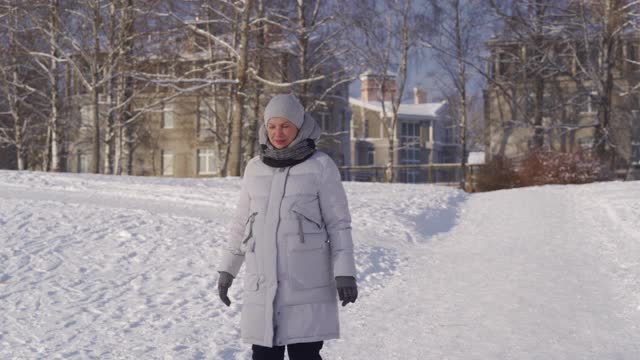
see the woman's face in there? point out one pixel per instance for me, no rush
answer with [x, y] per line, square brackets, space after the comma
[281, 132]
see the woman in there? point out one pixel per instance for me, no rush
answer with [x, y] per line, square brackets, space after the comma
[293, 229]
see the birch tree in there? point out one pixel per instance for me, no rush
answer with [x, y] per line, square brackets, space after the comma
[386, 35]
[48, 63]
[13, 125]
[237, 34]
[456, 43]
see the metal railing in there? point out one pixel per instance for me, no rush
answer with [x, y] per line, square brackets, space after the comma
[426, 174]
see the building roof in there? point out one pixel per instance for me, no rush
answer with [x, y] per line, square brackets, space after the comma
[372, 73]
[430, 110]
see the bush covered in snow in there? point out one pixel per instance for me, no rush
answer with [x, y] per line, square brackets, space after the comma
[499, 173]
[541, 168]
[552, 167]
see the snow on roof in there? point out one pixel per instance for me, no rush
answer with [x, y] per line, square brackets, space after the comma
[406, 110]
[476, 158]
[370, 72]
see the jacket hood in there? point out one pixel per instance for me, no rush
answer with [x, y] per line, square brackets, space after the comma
[287, 106]
[309, 130]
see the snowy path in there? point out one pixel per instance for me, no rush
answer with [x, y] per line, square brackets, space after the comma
[98, 267]
[525, 275]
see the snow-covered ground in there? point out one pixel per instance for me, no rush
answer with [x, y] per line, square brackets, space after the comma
[99, 267]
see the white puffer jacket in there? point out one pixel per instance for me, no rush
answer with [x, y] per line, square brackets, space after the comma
[293, 229]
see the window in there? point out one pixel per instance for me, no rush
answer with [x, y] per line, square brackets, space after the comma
[530, 104]
[167, 162]
[206, 162]
[548, 104]
[448, 157]
[167, 116]
[206, 118]
[450, 135]
[585, 143]
[585, 103]
[635, 154]
[83, 163]
[343, 121]
[635, 127]
[412, 176]
[587, 55]
[86, 116]
[632, 53]
[410, 130]
[409, 143]
[365, 153]
[324, 119]
[635, 138]
[503, 64]
[366, 127]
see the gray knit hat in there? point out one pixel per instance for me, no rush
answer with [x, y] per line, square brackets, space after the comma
[286, 106]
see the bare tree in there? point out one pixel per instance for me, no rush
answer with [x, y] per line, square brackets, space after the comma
[526, 68]
[586, 43]
[252, 39]
[311, 34]
[595, 34]
[124, 59]
[15, 125]
[386, 36]
[456, 44]
[48, 63]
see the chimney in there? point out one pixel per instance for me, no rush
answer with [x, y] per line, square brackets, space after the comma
[419, 95]
[370, 88]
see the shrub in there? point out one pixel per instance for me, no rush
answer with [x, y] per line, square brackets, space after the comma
[497, 174]
[541, 168]
[549, 167]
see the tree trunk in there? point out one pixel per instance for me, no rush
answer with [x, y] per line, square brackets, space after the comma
[112, 93]
[117, 154]
[389, 175]
[602, 137]
[46, 154]
[14, 99]
[397, 98]
[94, 88]
[302, 58]
[255, 122]
[54, 79]
[463, 96]
[128, 63]
[235, 156]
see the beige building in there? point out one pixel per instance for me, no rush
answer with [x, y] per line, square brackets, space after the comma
[426, 133]
[187, 135]
[569, 109]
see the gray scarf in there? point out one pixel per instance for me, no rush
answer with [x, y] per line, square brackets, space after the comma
[300, 149]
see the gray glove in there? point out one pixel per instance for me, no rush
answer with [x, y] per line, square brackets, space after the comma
[224, 282]
[347, 289]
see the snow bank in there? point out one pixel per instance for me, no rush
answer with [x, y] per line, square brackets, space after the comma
[95, 266]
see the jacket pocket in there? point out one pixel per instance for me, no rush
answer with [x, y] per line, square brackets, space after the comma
[248, 242]
[309, 223]
[252, 282]
[309, 264]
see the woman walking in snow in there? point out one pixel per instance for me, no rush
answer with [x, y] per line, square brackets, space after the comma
[293, 230]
